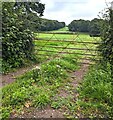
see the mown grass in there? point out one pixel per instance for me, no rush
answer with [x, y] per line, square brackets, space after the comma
[45, 48]
[65, 29]
[74, 36]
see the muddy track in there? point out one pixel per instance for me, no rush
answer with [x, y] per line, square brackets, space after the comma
[48, 112]
[11, 77]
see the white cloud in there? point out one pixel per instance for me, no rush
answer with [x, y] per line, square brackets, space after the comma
[68, 10]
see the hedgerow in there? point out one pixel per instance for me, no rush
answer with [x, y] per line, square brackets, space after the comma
[17, 38]
[106, 46]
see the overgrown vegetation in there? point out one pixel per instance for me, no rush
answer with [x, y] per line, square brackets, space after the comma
[17, 45]
[95, 93]
[37, 87]
[106, 45]
[19, 22]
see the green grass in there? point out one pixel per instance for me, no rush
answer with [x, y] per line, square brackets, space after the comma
[65, 29]
[94, 96]
[54, 36]
[96, 93]
[37, 86]
[57, 45]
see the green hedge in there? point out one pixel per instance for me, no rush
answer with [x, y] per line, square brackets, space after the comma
[17, 39]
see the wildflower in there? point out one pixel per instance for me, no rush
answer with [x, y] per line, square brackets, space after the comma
[36, 68]
[58, 66]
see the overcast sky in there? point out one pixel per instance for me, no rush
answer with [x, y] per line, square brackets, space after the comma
[68, 10]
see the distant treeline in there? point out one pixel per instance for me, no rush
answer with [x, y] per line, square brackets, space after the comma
[42, 24]
[92, 27]
[48, 25]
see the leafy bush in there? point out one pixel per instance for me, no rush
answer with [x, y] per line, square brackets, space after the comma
[17, 38]
[106, 46]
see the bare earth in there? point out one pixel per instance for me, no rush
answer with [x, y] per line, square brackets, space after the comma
[11, 77]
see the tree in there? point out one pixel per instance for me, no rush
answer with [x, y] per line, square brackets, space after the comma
[79, 26]
[48, 25]
[94, 29]
[30, 7]
[17, 45]
[106, 46]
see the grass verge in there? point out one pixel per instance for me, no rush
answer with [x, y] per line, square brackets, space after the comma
[95, 94]
[37, 87]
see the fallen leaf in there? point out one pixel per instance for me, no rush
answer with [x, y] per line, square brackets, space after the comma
[27, 104]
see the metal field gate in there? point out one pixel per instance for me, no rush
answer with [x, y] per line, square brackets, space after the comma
[55, 45]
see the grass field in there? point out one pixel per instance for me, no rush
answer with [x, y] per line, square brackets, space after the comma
[62, 43]
[40, 86]
[65, 29]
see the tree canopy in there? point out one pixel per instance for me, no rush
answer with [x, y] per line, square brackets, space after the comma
[17, 44]
[48, 25]
[79, 26]
[92, 27]
[106, 46]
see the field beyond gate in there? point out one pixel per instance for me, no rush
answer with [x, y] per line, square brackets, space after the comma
[50, 89]
[54, 45]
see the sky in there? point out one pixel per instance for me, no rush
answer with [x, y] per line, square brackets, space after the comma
[69, 10]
